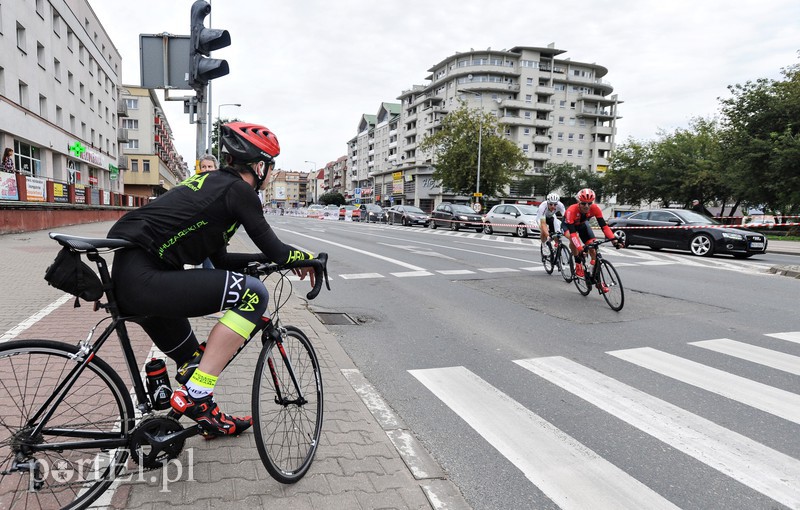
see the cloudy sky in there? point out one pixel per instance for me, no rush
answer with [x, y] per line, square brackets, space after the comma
[308, 69]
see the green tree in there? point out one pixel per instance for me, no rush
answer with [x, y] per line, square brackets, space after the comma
[455, 148]
[332, 198]
[215, 137]
[570, 179]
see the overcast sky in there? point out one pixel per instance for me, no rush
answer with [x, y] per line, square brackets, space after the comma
[309, 69]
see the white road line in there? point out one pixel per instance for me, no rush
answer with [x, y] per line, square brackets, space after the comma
[360, 276]
[755, 394]
[754, 353]
[765, 470]
[533, 268]
[498, 270]
[33, 319]
[411, 274]
[368, 253]
[582, 478]
[790, 336]
[656, 263]
[455, 271]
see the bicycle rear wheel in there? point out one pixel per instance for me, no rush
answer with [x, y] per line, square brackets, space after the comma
[566, 265]
[547, 256]
[615, 297]
[287, 416]
[583, 283]
[96, 407]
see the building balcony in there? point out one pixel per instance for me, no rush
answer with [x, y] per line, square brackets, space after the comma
[516, 120]
[600, 146]
[596, 98]
[122, 134]
[601, 130]
[122, 108]
[539, 156]
[542, 139]
[594, 113]
[488, 86]
[543, 107]
[545, 91]
[122, 162]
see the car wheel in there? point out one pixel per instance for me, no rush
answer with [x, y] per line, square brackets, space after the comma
[487, 229]
[390, 220]
[453, 226]
[702, 245]
[432, 225]
[522, 231]
[405, 222]
[622, 236]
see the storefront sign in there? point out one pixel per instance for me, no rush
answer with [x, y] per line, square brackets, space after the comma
[37, 192]
[93, 180]
[60, 192]
[80, 194]
[8, 186]
[81, 151]
[114, 172]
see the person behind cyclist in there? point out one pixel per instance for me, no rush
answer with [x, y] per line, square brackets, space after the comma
[576, 222]
[192, 221]
[546, 214]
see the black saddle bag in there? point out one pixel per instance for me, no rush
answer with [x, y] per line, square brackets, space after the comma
[70, 274]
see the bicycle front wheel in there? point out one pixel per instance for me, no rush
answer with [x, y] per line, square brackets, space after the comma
[63, 464]
[566, 265]
[615, 295]
[547, 257]
[287, 406]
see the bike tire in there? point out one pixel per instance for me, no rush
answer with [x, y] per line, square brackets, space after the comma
[546, 251]
[582, 283]
[287, 435]
[98, 403]
[566, 265]
[615, 297]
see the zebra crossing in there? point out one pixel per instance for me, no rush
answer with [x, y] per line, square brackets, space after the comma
[583, 478]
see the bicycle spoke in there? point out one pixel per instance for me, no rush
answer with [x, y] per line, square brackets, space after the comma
[615, 295]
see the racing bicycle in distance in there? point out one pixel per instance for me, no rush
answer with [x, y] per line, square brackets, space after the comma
[556, 253]
[69, 426]
[602, 276]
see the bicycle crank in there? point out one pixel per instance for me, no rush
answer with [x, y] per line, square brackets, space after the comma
[157, 440]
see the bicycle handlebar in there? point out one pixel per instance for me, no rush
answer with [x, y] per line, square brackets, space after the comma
[319, 264]
[594, 244]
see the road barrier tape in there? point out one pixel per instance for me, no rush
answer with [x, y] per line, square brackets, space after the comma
[742, 227]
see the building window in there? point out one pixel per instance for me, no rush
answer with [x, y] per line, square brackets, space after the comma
[558, 152]
[580, 153]
[561, 120]
[82, 92]
[527, 131]
[23, 94]
[525, 147]
[72, 123]
[529, 82]
[569, 153]
[572, 105]
[81, 52]
[133, 143]
[27, 159]
[42, 106]
[571, 137]
[130, 123]
[572, 121]
[40, 55]
[21, 38]
[71, 82]
[560, 136]
[146, 165]
[562, 104]
[133, 104]
[40, 8]
[528, 98]
[581, 136]
[70, 40]
[59, 116]
[91, 101]
[134, 165]
[56, 22]
[57, 70]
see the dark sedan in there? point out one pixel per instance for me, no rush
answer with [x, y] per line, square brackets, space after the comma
[372, 213]
[455, 216]
[682, 229]
[407, 215]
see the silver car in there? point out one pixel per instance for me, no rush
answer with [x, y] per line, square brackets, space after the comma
[519, 220]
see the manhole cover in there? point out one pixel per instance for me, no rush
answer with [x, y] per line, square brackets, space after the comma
[334, 319]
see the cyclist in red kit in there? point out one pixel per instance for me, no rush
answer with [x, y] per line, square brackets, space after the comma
[576, 223]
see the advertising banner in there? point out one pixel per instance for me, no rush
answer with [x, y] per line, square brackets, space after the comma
[80, 194]
[8, 186]
[60, 192]
[36, 189]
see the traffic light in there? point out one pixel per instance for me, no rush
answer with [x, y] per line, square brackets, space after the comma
[204, 41]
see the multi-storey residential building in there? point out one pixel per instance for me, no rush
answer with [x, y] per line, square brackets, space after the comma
[153, 165]
[59, 85]
[555, 109]
[286, 189]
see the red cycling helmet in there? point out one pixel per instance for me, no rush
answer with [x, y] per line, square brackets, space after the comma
[249, 143]
[586, 195]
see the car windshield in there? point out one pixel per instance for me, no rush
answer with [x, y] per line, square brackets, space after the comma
[462, 209]
[527, 209]
[694, 218]
[413, 209]
[372, 208]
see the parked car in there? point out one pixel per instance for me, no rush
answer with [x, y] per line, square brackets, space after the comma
[686, 230]
[407, 215]
[372, 213]
[349, 210]
[314, 211]
[455, 216]
[330, 212]
[518, 219]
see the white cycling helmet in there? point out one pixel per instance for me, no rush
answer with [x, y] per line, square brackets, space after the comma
[553, 198]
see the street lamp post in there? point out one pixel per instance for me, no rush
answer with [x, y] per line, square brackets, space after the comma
[480, 139]
[219, 122]
[314, 179]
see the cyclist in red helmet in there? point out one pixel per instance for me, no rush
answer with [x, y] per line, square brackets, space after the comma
[576, 223]
[189, 223]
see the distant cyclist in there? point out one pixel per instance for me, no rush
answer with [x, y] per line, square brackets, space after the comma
[546, 215]
[192, 221]
[576, 222]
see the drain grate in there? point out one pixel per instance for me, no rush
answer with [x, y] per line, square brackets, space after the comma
[334, 319]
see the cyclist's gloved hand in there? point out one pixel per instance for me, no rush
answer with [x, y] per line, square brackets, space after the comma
[302, 272]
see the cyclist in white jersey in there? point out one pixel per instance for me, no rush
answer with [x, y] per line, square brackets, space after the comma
[546, 215]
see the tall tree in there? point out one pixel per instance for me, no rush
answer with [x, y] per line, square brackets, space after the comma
[455, 149]
[570, 179]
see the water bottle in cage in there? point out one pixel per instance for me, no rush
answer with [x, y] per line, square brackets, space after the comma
[158, 383]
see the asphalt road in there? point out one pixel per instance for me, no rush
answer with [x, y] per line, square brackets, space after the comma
[532, 396]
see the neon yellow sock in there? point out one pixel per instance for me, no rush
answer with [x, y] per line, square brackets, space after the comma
[201, 384]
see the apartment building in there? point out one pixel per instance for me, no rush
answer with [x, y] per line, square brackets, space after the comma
[555, 109]
[59, 94]
[153, 165]
[286, 189]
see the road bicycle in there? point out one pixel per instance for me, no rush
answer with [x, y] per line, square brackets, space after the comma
[602, 276]
[69, 425]
[560, 257]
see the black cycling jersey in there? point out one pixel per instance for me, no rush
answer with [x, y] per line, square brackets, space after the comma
[196, 219]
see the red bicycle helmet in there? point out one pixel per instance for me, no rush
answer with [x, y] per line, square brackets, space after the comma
[586, 195]
[249, 143]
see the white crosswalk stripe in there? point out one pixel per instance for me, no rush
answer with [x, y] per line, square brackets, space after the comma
[586, 480]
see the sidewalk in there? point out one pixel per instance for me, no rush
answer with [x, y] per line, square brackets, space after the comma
[783, 247]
